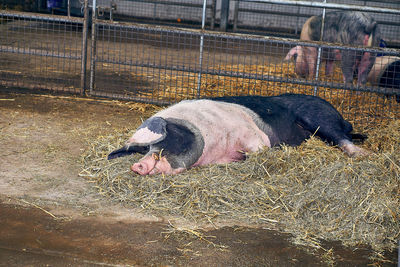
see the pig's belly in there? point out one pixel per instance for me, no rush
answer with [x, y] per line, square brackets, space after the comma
[232, 146]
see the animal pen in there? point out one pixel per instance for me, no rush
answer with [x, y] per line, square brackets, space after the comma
[161, 52]
[164, 64]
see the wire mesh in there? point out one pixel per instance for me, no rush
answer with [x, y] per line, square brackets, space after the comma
[177, 12]
[40, 52]
[161, 64]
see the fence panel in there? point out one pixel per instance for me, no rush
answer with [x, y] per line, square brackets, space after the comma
[163, 64]
[40, 51]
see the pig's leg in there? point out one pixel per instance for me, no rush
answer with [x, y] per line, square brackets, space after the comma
[365, 66]
[367, 61]
[352, 150]
[301, 67]
[348, 64]
[329, 67]
[333, 56]
[316, 115]
[310, 57]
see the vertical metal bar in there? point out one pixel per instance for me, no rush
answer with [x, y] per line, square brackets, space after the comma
[298, 21]
[84, 45]
[398, 253]
[203, 23]
[236, 15]
[93, 49]
[154, 11]
[213, 13]
[111, 10]
[69, 8]
[224, 15]
[319, 50]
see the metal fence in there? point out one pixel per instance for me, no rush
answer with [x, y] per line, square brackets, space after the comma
[271, 17]
[164, 64]
[40, 52]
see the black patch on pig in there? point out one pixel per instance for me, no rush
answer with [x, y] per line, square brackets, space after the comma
[279, 119]
[293, 118]
[183, 144]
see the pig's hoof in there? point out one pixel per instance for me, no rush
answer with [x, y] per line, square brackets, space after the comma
[355, 151]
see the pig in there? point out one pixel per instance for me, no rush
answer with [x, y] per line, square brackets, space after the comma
[221, 130]
[344, 27]
[386, 73]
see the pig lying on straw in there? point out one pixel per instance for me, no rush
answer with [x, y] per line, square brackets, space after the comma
[222, 130]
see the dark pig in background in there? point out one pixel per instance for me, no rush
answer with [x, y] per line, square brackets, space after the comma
[222, 130]
[344, 27]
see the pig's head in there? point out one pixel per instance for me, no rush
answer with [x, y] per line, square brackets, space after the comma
[297, 54]
[170, 146]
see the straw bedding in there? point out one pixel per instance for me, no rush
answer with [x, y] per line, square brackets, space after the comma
[313, 191]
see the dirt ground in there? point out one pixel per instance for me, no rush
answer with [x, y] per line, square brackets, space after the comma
[49, 215]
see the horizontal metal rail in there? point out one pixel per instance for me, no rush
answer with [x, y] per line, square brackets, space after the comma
[40, 17]
[170, 3]
[37, 52]
[130, 98]
[253, 76]
[244, 37]
[291, 14]
[329, 5]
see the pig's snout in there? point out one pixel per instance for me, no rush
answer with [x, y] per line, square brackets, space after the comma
[154, 164]
[293, 53]
[140, 168]
[144, 166]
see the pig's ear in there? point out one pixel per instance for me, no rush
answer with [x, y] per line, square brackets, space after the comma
[152, 131]
[127, 150]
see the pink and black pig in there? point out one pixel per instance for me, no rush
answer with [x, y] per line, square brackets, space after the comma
[343, 27]
[221, 130]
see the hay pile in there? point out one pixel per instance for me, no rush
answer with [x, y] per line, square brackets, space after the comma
[181, 85]
[313, 191]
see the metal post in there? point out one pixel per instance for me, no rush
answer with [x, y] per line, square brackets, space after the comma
[93, 49]
[203, 23]
[298, 21]
[69, 8]
[398, 254]
[319, 50]
[84, 45]
[213, 12]
[224, 15]
[236, 15]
